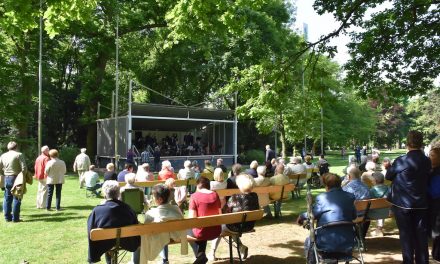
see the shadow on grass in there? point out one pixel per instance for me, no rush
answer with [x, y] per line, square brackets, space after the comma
[258, 259]
[80, 207]
[54, 218]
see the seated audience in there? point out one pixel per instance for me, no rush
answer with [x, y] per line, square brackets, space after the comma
[129, 167]
[269, 169]
[157, 244]
[367, 176]
[91, 179]
[278, 180]
[196, 169]
[332, 206]
[263, 198]
[130, 179]
[274, 163]
[143, 174]
[294, 167]
[252, 169]
[355, 185]
[208, 167]
[235, 171]
[245, 201]
[166, 172]
[221, 165]
[187, 172]
[309, 165]
[203, 202]
[219, 183]
[379, 190]
[110, 174]
[171, 184]
[112, 213]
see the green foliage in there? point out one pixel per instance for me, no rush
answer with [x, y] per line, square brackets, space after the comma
[425, 114]
[397, 47]
[253, 154]
[68, 155]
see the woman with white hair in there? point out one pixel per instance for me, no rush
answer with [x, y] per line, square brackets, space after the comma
[130, 179]
[166, 172]
[263, 198]
[55, 170]
[245, 201]
[367, 177]
[219, 183]
[112, 213]
[253, 169]
[187, 172]
[143, 173]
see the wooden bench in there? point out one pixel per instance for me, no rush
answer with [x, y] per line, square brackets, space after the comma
[363, 209]
[177, 225]
[178, 183]
[282, 189]
[296, 179]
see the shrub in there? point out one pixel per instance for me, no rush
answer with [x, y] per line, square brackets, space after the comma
[68, 155]
[254, 154]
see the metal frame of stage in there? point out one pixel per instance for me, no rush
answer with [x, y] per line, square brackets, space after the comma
[115, 138]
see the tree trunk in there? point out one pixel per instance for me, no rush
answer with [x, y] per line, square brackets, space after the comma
[283, 141]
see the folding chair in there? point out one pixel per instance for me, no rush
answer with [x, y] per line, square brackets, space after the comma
[321, 256]
[134, 198]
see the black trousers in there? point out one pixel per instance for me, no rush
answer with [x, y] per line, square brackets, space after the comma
[413, 234]
[50, 188]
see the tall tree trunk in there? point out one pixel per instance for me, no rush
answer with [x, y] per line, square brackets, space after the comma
[282, 137]
[24, 92]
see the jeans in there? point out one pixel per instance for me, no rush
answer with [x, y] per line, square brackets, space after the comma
[94, 188]
[413, 234]
[10, 203]
[50, 188]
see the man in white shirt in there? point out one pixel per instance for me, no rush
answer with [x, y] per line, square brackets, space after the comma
[91, 179]
[81, 165]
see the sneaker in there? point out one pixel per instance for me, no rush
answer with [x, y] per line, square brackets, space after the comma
[244, 251]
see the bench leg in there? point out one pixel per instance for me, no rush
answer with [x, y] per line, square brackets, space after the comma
[238, 250]
[231, 256]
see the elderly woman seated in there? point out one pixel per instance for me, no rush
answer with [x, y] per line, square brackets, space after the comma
[112, 213]
[166, 172]
[263, 198]
[253, 169]
[158, 244]
[367, 177]
[245, 201]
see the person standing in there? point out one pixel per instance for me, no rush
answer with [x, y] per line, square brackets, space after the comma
[40, 166]
[434, 200]
[11, 164]
[270, 154]
[81, 165]
[156, 156]
[409, 175]
[55, 170]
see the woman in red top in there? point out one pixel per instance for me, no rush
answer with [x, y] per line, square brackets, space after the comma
[203, 202]
[166, 171]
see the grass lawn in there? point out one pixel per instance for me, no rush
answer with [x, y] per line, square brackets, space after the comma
[61, 237]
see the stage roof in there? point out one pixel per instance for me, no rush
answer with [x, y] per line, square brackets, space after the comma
[159, 110]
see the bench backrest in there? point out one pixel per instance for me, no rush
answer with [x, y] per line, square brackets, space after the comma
[364, 207]
[260, 190]
[300, 176]
[152, 183]
[377, 203]
[174, 225]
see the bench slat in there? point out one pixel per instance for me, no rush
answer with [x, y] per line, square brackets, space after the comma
[378, 203]
[152, 183]
[267, 189]
[174, 225]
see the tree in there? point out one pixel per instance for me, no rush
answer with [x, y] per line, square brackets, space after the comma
[425, 114]
[396, 53]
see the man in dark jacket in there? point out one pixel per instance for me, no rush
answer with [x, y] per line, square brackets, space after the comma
[335, 205]
[409, 175]
[113, 213]
[270, 154]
